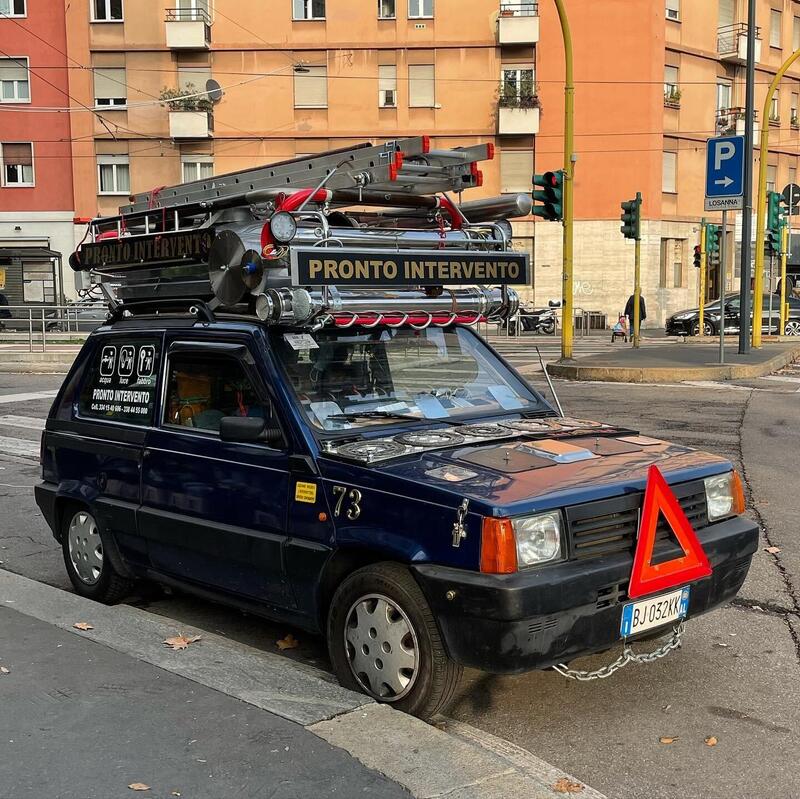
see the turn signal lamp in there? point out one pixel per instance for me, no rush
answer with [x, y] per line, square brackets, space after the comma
[738, 494]
[498, 547]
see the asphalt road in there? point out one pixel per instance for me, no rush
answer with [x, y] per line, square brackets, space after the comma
[737, 677]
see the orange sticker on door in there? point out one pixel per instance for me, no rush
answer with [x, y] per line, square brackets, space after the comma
[305, 492]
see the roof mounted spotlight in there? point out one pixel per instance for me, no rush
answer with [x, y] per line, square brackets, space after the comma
[283, 227]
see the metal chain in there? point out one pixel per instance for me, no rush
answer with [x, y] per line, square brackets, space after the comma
[627, 656]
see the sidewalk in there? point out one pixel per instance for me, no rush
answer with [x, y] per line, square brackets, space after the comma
[673, 364]
[81, 720]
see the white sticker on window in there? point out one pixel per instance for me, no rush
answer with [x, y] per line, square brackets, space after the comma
[300, 341]
[508, 400]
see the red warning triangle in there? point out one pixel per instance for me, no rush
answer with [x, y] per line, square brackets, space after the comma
[649, 578]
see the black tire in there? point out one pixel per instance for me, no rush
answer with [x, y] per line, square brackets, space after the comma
[435, 677]
[109, 586]
[707, 327]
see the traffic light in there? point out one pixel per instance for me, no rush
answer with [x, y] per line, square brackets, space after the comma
[775, 222]
[698, 256]
[631, 217]
[551, 194]
[712, 239]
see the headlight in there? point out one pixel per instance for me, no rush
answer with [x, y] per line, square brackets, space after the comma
[724, 496]
[538, 538]
[682, 317]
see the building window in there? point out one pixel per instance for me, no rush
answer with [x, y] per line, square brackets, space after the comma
[17, 161]
[670, 170]
[672, 273]
[796, 33]
[792, 174]
[196, 167]
[12, 8]
[113, 174]
[387, 86]
[193, 10]
[724, 96]
[386, 9]
[518, 88]
[308, 9]
[109, 87]
[772, 177]
[516, 171]
[672, 94]
[774, 109]
[421, 86]
[418, 9]
[775, 23]
[14, 81]
[106, 10]
[793, 118]
[673, 9]
[311, 88]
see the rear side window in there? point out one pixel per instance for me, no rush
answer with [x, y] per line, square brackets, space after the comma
[120, 385]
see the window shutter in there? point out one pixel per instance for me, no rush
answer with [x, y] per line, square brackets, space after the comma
[20, 154]
[109, 82]
[670, 164]
[197, 78]
[311, 88]
[727, 12]
[11, 69]
[516, 171]
[775, 21]
[671, 75]
[387, 77]
[421, 81]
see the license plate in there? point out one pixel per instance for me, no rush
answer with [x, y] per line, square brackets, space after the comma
[648, 613]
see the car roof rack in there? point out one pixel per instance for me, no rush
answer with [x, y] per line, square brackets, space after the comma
[345, 237]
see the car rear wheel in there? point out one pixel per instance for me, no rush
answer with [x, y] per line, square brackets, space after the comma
[91, 573]
[792, 328]
[384, 642]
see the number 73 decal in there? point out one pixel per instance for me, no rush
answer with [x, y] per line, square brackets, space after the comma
[353, 498]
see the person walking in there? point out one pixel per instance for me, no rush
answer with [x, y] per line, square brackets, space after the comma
[629, 306]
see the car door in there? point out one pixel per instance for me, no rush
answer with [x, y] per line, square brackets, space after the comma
[732, 315]
[214, 512]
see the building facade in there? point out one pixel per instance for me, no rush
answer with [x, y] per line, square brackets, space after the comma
[36, 197]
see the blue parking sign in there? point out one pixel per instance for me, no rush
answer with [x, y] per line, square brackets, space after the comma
[725, 173]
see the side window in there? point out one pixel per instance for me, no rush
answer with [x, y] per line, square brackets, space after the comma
[203, 388]
[120, 384]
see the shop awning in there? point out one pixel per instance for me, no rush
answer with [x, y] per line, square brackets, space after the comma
[28, 252]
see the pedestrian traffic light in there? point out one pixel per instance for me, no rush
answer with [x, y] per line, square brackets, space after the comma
[698, 256]
[551, 194]
[631, 217]
[712, 239]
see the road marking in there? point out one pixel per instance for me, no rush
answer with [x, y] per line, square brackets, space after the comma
[27, 422]
[19, 446]
[8, 398]
[782, 378]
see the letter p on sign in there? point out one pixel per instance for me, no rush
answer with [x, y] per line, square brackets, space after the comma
[723, 151]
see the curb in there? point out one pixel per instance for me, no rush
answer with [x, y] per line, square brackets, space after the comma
[459, 762]
[672, 374]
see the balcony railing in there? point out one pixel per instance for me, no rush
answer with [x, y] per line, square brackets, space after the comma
[519, 100]
[732, 42]
[188, 28]
[519, 8]
[188, 15]
[730, 121]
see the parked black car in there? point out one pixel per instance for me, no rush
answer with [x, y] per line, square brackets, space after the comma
[687, 323]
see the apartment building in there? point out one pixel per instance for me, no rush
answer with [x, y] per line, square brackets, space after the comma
[36, 198]
[290, 78]
[654, 80]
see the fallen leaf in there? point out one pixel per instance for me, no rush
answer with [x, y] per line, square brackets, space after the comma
[290, 642]
[4, 670]
[719, 643]
[82, 625]
[711, 741]
[566, 785]
[178, 642]
[666, 739]
[772, 550]
[666, 707]
[175, 793]
[139, 786]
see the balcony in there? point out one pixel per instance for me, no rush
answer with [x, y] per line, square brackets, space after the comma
[732, 43]
[518, 22]
[672, 96]
[518, 115]
[191, 124]
[188, 29]
[730, 122]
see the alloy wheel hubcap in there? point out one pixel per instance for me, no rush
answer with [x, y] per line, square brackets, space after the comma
[792, 328]
[382, 647]
[85, 547]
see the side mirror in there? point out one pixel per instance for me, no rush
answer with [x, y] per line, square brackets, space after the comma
[554, 303]
[248, 429]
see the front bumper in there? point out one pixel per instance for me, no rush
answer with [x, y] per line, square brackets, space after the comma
[679, 327]
[534, 619]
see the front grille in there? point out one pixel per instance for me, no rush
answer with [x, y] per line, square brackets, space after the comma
[609, 525]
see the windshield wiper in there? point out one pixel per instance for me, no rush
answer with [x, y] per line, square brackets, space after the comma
[376, 415]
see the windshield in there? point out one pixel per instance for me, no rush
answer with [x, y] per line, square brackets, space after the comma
[346, 379]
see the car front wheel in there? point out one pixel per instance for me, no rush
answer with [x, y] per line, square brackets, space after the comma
[708, 330]
[792, 328]
[384, 642]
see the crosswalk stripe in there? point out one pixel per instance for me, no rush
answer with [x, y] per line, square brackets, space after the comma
[26, 422]
[35, 395]
[19, 446]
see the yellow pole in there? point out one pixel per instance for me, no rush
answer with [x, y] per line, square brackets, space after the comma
[784, 255]
[569, 173]
[758, 286]
[703, 267]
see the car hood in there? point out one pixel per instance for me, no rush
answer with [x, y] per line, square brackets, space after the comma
[496, 478]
